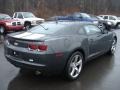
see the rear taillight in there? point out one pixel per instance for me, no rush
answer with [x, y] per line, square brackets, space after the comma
[32, 47]
[40, 47]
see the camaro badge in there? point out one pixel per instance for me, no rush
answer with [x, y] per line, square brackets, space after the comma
[16, 44]
[31, 60]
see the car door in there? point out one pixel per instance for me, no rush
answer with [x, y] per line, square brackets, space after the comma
[112, 19]
[98, 42]
[20, 18]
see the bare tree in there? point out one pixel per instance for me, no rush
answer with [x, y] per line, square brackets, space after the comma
[46, 8]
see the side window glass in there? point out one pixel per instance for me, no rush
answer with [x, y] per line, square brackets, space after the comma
[105, 17]
[20, 16]
[92, 29]
[78, 15]
[112, 18]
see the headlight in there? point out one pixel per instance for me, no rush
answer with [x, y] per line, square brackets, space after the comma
[42, 20]
[109, 23]
[8, 23]
[33, 22]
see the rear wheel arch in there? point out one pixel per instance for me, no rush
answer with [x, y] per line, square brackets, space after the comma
[114, 37]
[77, 50]
[27, 25]
[73, 51]
[117, 24]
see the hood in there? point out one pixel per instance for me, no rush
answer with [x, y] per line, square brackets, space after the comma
[9, 20]
[34, 19]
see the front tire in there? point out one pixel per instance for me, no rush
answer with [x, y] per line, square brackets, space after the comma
[2, 29]
[113, 47]
[74, 66]
[118, 26]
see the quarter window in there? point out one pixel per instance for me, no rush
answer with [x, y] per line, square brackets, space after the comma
[112, 18]
[105, 17]
[92, 29]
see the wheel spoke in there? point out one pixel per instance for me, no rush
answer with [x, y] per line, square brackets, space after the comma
[73, 71]
[76, 58]
[79, 62]
[113, 48]
[77, 70]
[75, 66]
[72, 65]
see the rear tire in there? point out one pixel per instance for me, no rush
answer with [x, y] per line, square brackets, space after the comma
[101, 25]
[118, 26]
[27, 26]
[74, 66]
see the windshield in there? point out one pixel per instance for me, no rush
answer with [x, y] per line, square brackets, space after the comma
[115, 17]
[46, 28]
[78, 15]
[4, 17]
[100, 18]
[28, 15]
[84, 15]
[93, 17]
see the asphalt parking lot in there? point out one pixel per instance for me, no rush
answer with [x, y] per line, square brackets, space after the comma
[100, 74]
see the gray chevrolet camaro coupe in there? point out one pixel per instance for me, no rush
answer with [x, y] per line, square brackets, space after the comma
[58, 47]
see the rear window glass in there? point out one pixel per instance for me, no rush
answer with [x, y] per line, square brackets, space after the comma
[59, 29]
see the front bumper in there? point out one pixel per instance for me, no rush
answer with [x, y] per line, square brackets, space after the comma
[36, 23]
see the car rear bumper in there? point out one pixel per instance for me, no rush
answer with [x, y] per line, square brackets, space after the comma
[23, 64]
[46, 63]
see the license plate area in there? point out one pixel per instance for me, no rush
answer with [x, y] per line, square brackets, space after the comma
[16, 54]
[24, 56]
